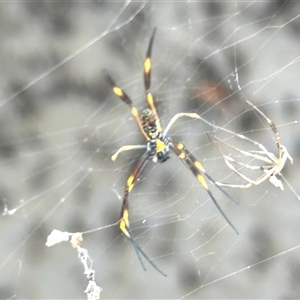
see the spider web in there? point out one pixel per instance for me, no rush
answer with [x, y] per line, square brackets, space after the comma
[60, 123]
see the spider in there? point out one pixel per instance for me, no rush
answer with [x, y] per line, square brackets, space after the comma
[274, 164]
[157, 149]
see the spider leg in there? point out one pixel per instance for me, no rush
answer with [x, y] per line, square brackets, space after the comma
[176, 117]
[140, 252]
[269, 121]
[282, 150]
[124, 220]
[286, 154]
[283, 154]
[200, 167]
[126, 99]
[147, 63]
[263, 155]
[197, 169]
[250, 183]
[147, 80]
[127, 148]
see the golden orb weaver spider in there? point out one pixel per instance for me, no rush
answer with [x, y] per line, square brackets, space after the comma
[158, 148]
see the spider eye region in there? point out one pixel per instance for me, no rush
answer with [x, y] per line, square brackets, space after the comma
[147, 115]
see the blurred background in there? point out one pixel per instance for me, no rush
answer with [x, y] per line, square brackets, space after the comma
[60, 124]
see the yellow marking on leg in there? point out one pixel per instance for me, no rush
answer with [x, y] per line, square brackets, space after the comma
[118, 91]
[199, 166]
[180, 146]
[134, 111]
[129, 183]
[147, 65]
[202, 181]
[150, 99]
[125, 223]
[152, 106]
[181, 155]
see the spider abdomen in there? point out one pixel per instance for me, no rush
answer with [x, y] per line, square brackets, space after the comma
[158, 149]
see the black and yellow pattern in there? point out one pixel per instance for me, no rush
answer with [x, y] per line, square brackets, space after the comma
[157, 149]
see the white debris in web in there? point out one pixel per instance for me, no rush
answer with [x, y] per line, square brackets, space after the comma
[56, 236]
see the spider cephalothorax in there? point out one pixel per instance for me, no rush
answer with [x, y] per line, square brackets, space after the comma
[149, 123]
[157, 145]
